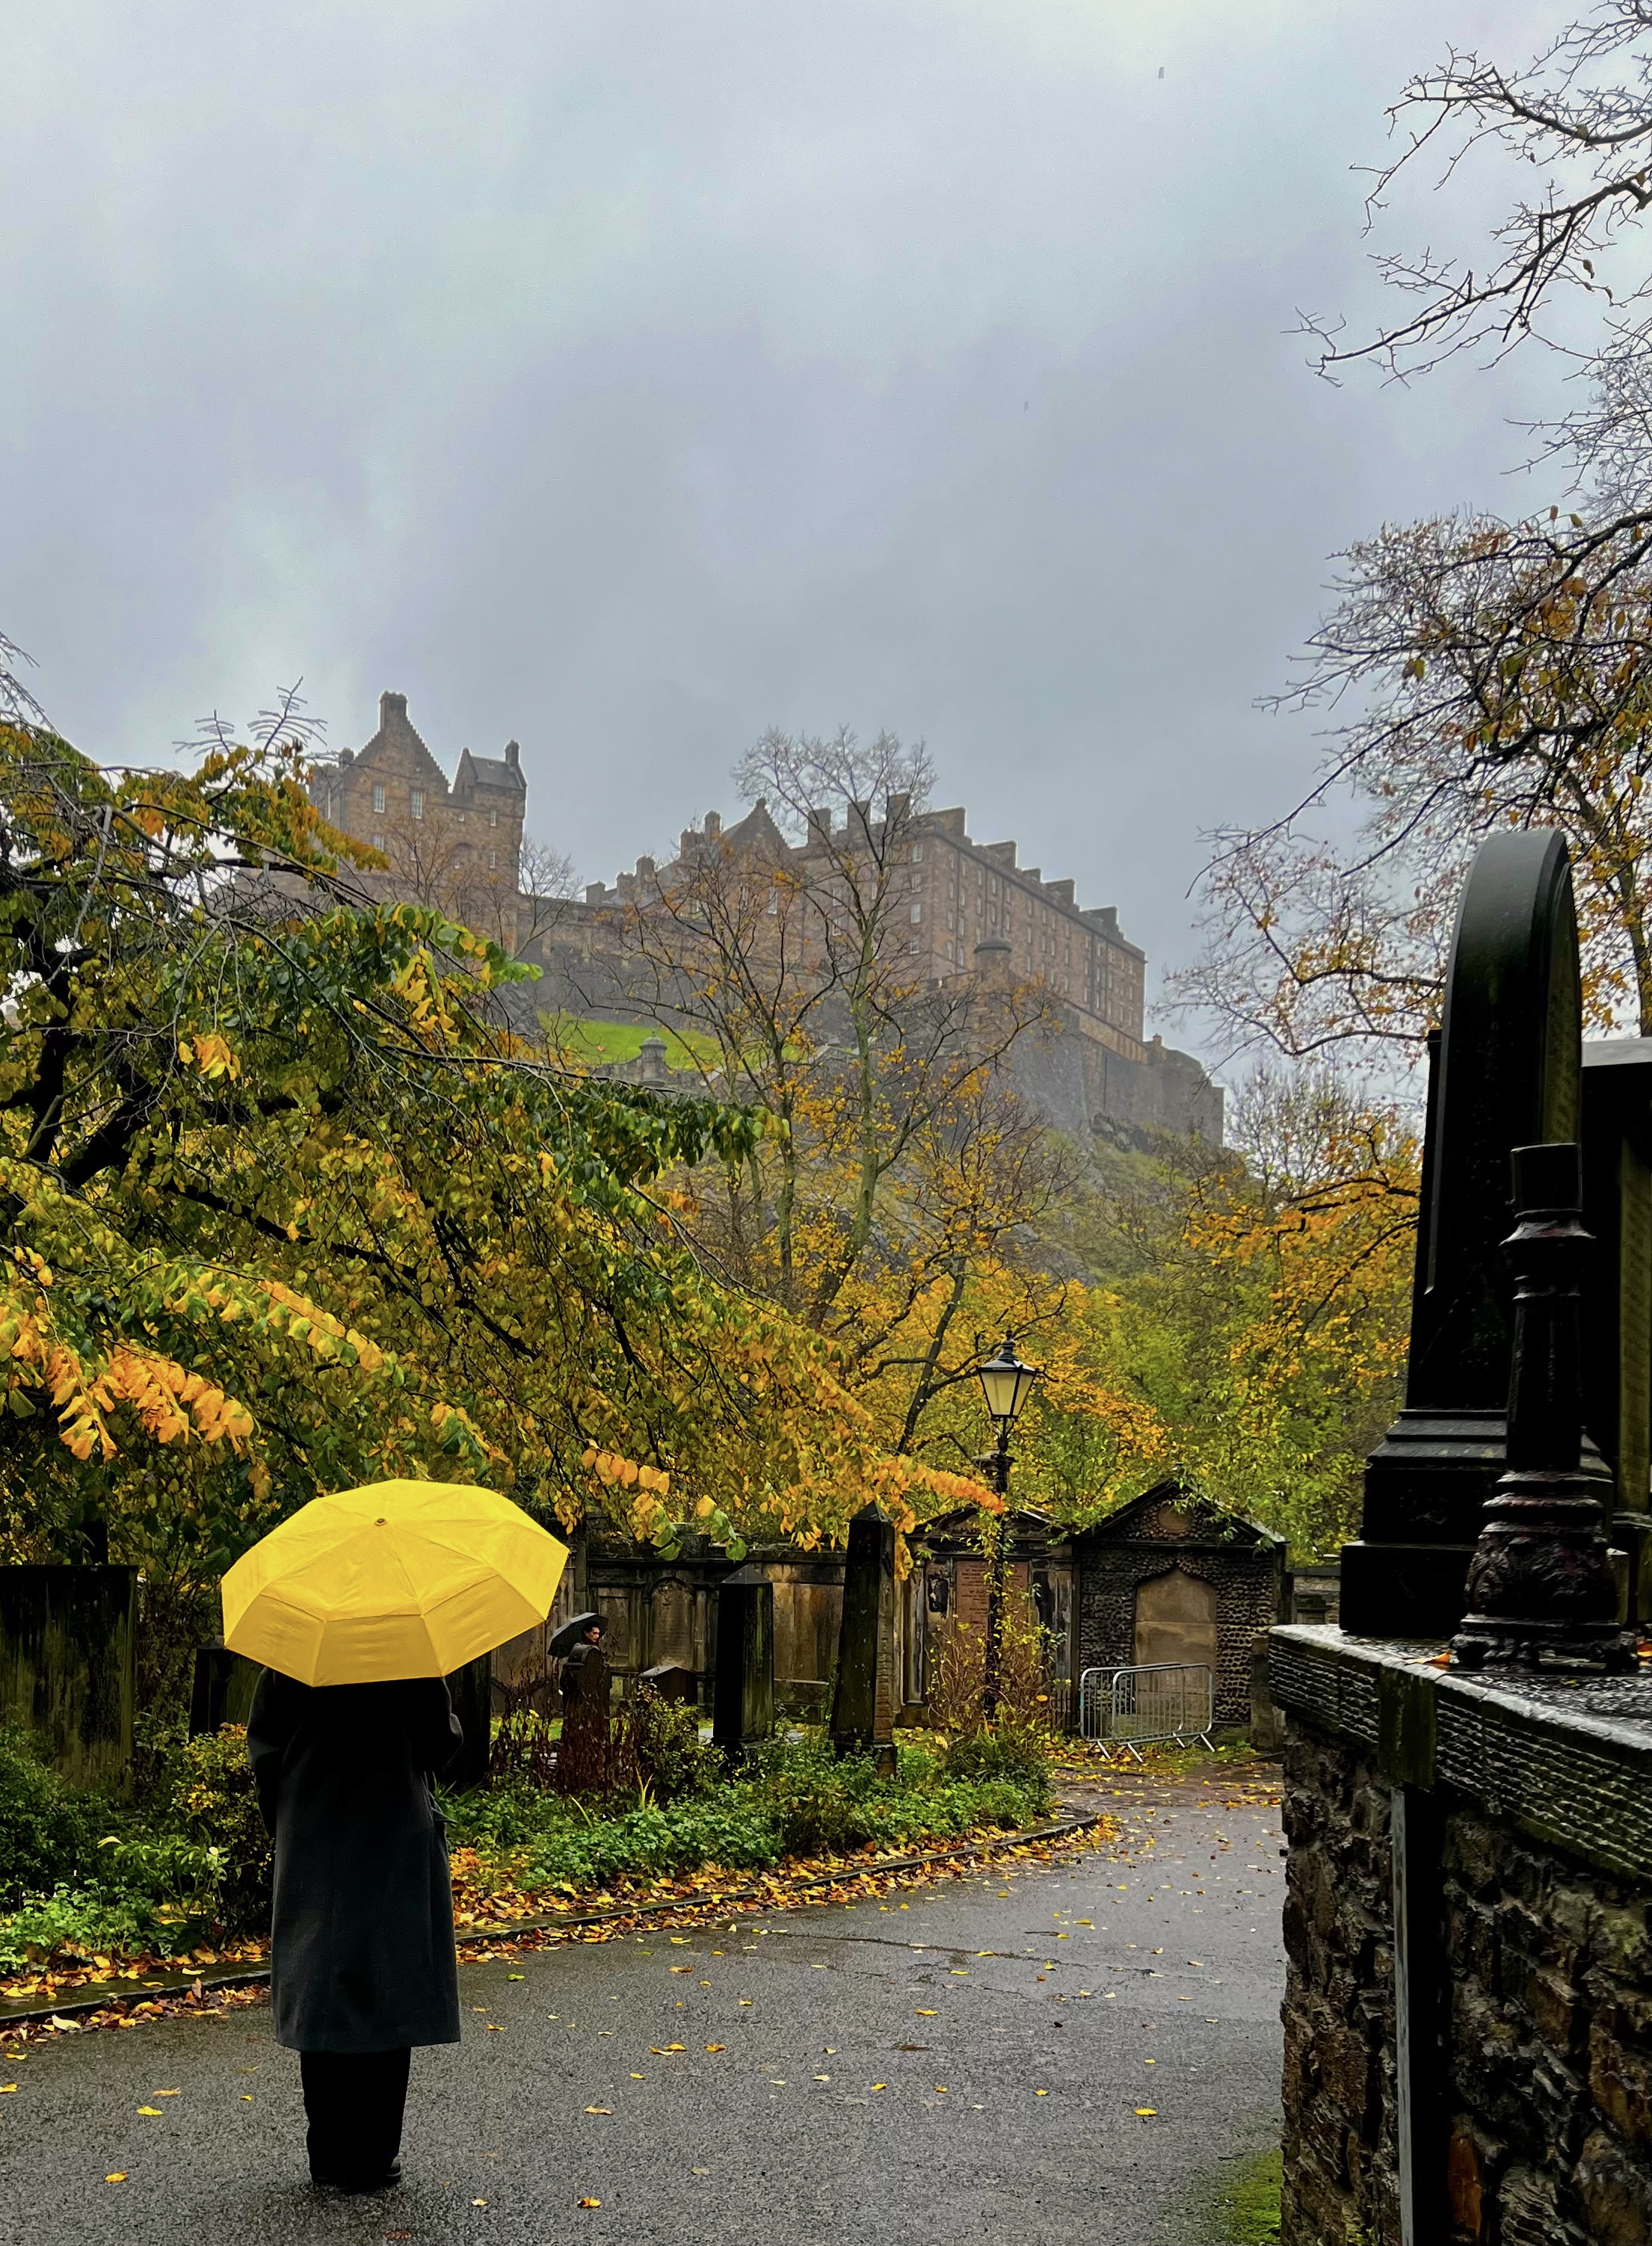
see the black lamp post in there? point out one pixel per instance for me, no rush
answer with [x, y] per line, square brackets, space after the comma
[1005, 1382]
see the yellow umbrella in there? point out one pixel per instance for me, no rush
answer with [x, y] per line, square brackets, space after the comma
[402, 1579]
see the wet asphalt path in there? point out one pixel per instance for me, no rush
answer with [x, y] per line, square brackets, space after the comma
[951, 2064]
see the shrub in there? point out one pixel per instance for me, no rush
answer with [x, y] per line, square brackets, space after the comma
[1017, 1752]
[47, 1836]
[216, 1806]
[958, 1681]
[657, 1749]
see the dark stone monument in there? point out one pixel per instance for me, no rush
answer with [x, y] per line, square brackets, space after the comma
[743, 1686]
[473, 1694]
[1505, 1072]
[1540, 1587]
[1617, 1293]
[222, 1690]
[68, 1653]
[670, 1680]
[864, 1704]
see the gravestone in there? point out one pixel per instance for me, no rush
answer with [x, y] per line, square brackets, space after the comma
[222, 1690]
[670, 1680]
[1505, 1072]
[863, 1704]
[743, 1684]
[472, 1688]
[68, 1654]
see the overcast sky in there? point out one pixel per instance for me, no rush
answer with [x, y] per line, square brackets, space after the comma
[626, 375]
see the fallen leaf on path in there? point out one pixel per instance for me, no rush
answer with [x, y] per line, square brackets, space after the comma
[154, 2112]
[599, 2109]
[1147, 2112]
[880, 2086]
[590, 2203]
[924, 2013]
[716, 2046]
[119, 2176]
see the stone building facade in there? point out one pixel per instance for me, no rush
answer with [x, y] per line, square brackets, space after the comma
[1170, 1578]
[457, 846]
[959, 908]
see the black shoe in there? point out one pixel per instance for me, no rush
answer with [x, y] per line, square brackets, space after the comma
[386, 2181]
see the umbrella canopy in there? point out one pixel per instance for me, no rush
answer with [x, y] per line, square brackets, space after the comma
[568, 1636]
[401, 1579]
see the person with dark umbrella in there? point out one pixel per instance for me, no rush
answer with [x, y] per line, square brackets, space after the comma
[581, 1751]
[361, 1950]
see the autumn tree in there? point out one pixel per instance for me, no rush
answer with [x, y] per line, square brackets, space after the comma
[1500, 670]
[1257, 1307]
[287, 1206]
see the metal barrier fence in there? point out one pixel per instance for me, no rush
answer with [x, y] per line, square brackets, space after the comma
[1160, 1702]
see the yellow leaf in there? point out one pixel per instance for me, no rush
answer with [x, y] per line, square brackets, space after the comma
[154, 2112]
[590, 2203]
[119, 2176]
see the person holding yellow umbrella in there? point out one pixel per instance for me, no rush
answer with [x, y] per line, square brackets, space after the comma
[359, 1606]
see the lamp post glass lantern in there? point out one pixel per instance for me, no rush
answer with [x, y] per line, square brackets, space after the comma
[1006, 1382]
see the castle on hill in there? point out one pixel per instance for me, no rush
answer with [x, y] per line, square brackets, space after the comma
[965, 907]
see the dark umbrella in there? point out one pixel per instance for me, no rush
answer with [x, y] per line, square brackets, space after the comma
[564, 1640]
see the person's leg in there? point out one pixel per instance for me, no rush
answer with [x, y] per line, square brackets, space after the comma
[354, 2102]
[384, 2101]
[326, 2076]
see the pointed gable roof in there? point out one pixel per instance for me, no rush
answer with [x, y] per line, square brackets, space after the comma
[399, 739]
[1175, 1513]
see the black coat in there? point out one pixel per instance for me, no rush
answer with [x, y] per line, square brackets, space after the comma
[361, 1947]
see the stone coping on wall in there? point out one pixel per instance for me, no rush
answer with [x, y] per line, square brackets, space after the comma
[1568, 1761]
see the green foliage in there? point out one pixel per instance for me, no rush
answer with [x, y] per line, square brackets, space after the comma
[141, 1889]
[1018, 1753]
[795, 1800]
[83, 1878]
[46, 1832]
[216, 1804]
[657, 1748]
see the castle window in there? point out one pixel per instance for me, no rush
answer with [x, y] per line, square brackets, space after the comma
[493, 819]
[377, 841]
[918, 915]
[492, 862]
[419, 803]
[378, 796]
[917, 854]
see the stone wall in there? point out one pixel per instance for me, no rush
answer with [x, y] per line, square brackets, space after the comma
[1539, 2133]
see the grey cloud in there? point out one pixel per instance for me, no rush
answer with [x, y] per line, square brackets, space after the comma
[624, 377]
